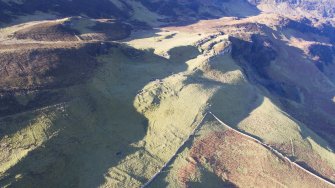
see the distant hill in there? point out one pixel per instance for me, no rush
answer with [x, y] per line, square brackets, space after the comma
[131, 10]
[323, 8]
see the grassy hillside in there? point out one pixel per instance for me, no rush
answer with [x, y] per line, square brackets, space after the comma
[118, 127]
[100, 101]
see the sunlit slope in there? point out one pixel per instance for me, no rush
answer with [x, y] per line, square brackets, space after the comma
[220, 157]
[101, 121]
[98, 123]
[118, 127]
[248, 108]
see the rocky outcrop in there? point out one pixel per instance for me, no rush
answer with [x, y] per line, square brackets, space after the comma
[257, 53]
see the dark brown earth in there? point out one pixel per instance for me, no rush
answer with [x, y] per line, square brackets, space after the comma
[50, 31]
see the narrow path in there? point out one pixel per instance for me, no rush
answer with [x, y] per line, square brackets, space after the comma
[175, 154]
[276, 152]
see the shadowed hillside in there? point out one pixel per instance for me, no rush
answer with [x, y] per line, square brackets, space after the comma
[167, 93]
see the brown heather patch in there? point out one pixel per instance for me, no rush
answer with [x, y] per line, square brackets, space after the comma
[26, 67]
[50, 31]
[186, 172]
[243, 162]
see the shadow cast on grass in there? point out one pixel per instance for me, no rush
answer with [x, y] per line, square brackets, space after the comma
[98, 127]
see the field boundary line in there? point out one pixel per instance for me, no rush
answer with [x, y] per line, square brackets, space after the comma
[278, 153]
